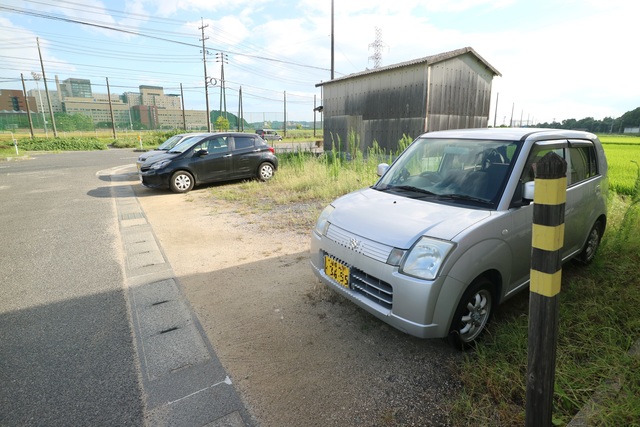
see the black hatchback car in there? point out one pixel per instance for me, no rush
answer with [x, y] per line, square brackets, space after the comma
[210, 157]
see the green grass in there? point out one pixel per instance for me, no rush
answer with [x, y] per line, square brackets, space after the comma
[599, 322]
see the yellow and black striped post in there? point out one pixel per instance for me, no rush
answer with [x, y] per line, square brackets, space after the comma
[549, 199]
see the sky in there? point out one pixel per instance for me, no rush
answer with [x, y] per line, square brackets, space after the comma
[559, 59]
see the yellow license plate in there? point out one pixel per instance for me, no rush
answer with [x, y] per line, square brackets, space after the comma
[337, 271]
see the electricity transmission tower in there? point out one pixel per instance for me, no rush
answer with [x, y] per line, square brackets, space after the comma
[377, 46]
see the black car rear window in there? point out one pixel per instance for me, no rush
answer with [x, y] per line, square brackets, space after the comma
[244, 142]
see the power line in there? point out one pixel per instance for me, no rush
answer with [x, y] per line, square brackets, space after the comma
[136, 33]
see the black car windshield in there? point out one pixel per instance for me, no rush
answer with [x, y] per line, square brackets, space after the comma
[452, 170]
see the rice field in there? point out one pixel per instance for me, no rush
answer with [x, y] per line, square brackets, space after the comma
[623, 157]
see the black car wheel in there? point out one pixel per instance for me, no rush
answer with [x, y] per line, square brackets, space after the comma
[592, 243]
[472, 314]
[181, 182]
[265, 171]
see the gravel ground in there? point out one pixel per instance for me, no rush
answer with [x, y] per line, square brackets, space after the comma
[299, 354]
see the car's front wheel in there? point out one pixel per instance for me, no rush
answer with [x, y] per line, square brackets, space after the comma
[265, 171]
[181, 182]
[472, 314]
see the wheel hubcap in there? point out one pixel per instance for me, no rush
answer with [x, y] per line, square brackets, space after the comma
[476, 318]
[182, 182]
[266, 172]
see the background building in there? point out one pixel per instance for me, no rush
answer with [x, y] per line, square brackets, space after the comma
[172, 119]
[13, 109]
[41, 105]
[150, 108]
[98, 109]
[14, 100]
[154, 95]
[74, 88]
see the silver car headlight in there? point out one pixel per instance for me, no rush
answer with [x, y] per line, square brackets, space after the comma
[160, 164]
[323, 220]
[425, 258]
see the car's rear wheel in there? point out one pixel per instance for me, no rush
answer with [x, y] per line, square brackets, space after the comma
[591, 245]
[472, 314]
[181, 182]
[265, 171]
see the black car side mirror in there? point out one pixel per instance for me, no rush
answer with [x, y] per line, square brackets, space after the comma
[200, 153]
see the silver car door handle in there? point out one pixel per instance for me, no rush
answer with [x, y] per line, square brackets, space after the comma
[227, 155]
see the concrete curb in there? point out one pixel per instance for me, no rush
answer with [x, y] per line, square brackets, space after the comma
[183, 381]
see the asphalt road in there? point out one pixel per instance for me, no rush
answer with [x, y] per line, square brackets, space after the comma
[66, 349]
[77, 338]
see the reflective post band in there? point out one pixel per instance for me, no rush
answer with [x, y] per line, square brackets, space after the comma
[549, 199]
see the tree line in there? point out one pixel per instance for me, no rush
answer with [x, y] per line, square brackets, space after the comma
[606, 125]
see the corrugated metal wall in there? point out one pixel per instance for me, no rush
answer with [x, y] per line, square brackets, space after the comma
[383, 106]
[459, 94]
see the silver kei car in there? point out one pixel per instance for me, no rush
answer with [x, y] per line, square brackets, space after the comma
[444, 236]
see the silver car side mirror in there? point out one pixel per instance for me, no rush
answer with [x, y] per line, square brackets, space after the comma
[382, 168]
[528, 190]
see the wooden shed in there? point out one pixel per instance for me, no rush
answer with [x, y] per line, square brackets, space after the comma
[451, 90]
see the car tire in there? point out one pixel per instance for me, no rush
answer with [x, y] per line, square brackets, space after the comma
[472, 314]
[591, 245]
[265, 171]
[181, 182]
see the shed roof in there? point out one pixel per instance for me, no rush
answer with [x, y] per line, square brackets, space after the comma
[427, 59]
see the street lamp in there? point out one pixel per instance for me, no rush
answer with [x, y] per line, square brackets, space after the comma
[37, 77]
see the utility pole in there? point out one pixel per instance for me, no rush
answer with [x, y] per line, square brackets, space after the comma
[332, 43]
[113, 121]
[184, 119]
[26, 100]
[46, 90]
[284, 123]
[495, 115]
[512, 108]
[206, 80]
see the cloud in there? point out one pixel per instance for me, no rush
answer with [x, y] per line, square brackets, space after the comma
[20, 52]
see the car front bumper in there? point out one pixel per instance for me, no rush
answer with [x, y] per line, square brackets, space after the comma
[404, 302]
[153, 179]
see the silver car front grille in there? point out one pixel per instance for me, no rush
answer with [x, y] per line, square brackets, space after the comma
[363, 283]
[372, 288]
[358, 244]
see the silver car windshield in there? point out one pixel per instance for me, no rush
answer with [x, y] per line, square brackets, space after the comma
[185, 144]
[469, 171]
[170, 143]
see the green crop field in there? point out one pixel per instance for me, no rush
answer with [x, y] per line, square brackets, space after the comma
[623, 156]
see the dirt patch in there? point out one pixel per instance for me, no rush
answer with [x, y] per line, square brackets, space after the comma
[299, 354]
